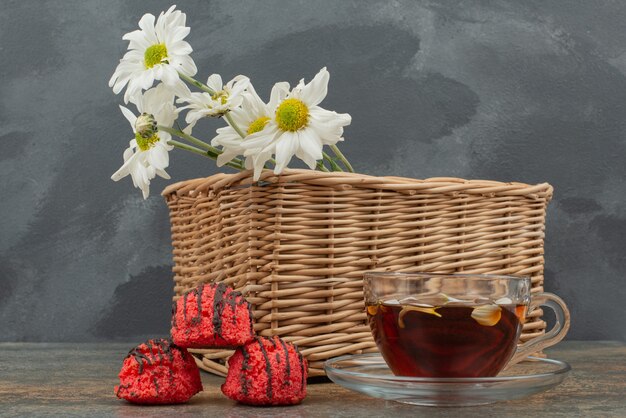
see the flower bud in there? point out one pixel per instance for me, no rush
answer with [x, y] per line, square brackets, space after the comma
[146, 125]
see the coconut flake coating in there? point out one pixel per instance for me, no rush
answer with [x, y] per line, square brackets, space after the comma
[212, 316]
[266, 371]
[158, 372]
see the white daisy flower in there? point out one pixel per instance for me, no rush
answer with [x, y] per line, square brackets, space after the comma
[298, 126]
[252, 117]
[223, 100]
[157, 51]
[148, 153]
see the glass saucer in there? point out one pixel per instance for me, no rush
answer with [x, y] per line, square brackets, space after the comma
[369, 374]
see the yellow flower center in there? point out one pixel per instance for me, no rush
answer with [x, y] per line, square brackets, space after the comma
[258, 125]
[144, 143]
[221, 95]
[154, 55]
[292, 115]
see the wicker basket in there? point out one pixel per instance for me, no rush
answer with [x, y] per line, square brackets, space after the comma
[297, 245]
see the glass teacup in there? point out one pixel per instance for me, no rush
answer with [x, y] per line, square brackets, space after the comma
[455, 325]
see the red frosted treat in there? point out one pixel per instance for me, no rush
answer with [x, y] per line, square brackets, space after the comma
[212, 316]
[266, 371]
[158, 372]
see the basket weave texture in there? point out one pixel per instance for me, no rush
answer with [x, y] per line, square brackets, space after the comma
[297, 245]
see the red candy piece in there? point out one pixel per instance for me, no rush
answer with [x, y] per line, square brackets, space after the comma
[158, 372]
[266, 371]
[212, 316]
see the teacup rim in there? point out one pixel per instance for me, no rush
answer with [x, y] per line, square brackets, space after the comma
[478, 276]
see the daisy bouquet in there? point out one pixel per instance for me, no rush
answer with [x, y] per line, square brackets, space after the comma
[157, 73]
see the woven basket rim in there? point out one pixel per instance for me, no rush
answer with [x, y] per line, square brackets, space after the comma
[343, 180]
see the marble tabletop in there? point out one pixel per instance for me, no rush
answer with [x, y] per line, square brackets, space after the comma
[73, 379]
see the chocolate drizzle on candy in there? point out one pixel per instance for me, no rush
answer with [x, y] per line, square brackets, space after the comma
[268, 368]
[301, 371]
[161, 346]
[174, 309]
[267, 346]
[218, 308]
[223, 298]
[250, 315]
[139, 358]
[287, 366]
[198, 291]
[185, 306]
[244, 368]
[158, 375]
[120, 387]
[232, 303]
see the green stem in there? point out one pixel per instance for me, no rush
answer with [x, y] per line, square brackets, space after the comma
[179, 133]
[342, 158]
[210, 150]
[188, 147]
[206, 149]
[232, 123]
[207, 154]
[271, 161]
[333, 165]
[321, 166]
[196, 83]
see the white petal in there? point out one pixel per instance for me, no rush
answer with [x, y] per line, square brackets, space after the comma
[131, 93]
[138, 40]
[215, 82]
[146, 79]
[249, 163]
[314, 92]
[233, 102]
[177, 35]
[145, 190]
[146, 23]
[258, 162]
[253, 104]
[163, 141]
[181, 89]
[238, 84]
[163, 174]
[286, 147]
[181, 48]
[279, 92]
[129, 115]
[310, 147]
[241, 117]
[124, 170]
[226, 136]
[158, 158]
[260, 139]
[129, 152]
[328, 125]
[169, 76]
[187, 65]
[189, 129]
[157, 71]
[117, 82]
[225, 157]
[327, 116]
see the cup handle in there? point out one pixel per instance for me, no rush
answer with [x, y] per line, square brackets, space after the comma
[551, 337]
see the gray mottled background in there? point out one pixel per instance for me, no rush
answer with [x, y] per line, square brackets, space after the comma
[529, 91]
